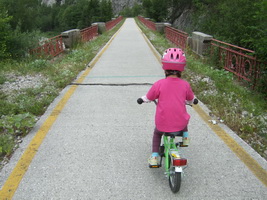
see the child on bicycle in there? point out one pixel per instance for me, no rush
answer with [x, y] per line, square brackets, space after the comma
[172, 94]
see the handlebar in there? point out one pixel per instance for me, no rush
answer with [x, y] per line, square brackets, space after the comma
[140, 101]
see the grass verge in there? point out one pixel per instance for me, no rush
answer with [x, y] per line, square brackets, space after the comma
[240, 108]
[28, 87]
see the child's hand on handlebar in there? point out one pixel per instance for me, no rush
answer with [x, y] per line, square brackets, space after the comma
[193, 101]
[143, 99]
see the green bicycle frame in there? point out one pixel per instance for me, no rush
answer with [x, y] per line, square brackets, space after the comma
[168, 145]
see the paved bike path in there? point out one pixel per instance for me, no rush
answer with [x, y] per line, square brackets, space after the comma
[98, 146]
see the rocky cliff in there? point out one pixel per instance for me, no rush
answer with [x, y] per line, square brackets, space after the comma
[48, 2]
[117, 5]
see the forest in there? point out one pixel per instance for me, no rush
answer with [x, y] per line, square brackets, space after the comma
[24, 22]
[241, 22]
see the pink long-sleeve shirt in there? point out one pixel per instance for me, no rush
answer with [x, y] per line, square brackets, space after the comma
[171, 114]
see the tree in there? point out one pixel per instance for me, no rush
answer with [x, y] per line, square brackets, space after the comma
[106, 10]
[93, 10]
[5, 32]
[24, 13]
[147, 4]
[156, 9]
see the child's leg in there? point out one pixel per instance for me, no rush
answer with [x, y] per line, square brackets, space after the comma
[156, 141]
[185, 136]
[185, 129]
[153, 160]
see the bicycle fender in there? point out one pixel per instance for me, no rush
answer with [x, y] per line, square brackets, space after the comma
[178, 169]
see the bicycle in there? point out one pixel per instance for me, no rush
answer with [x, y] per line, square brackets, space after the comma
[170, 150]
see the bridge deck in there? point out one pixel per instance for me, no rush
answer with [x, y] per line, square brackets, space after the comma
[99, 141]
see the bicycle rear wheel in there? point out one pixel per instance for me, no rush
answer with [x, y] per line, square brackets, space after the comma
[175, 179]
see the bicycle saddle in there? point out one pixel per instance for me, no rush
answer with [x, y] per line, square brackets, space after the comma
[174, 134]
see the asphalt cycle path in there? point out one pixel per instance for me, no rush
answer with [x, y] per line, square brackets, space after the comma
[98, 139]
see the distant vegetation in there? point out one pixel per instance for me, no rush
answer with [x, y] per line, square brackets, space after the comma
[242, 23]
[23, 22]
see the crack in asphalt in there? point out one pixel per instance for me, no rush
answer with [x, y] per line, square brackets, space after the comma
[112, 84]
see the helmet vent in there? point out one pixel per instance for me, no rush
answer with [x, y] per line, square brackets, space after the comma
[171, 56]
[177, 56]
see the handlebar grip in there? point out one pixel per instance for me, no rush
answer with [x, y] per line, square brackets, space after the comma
[195, 101]
[140, 101]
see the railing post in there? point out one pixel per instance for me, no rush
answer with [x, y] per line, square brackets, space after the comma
[160, 27]
[201, 43]
[71, 37]
[101, 27]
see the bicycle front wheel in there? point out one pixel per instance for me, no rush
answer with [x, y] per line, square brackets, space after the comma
[175, 179]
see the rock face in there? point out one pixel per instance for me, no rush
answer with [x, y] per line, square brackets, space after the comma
[49, 2]
[184, 21]
[117, 5]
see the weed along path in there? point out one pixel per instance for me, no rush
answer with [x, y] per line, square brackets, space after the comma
[94, 140]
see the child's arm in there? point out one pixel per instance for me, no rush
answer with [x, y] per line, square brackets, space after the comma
[150, 96]
[145, 99]
[190, 102]
[190, 96]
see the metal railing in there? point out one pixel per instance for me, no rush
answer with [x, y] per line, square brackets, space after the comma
[89, 33]
[238, 60]
[52, 47]
[151, 25]
[176, 36]
[112, 23]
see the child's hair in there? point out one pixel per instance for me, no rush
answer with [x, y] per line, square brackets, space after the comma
[173, 72]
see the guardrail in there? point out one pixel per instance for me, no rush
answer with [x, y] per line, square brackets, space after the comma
[112, 23]
[176, 36]
[52, 47]
[89, 33]
[151, 25]
[238, 60]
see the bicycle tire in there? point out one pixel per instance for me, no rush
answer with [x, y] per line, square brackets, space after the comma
[175, 179]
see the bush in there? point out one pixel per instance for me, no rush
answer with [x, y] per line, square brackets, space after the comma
[16, 125]
[6, 144]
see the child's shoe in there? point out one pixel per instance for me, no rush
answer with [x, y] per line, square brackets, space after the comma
[153, 160]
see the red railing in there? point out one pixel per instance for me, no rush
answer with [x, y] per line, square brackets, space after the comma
[52, 47]
[149, 24]
[239, 61]
[89, 33]
[112, 23]
[176, 36]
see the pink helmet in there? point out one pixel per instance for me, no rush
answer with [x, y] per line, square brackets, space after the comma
[173, 59]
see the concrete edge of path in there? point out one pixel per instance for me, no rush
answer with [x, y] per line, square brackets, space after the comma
[22, 157]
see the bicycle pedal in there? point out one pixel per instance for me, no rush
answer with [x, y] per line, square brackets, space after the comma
[154, 166]
[180, 144]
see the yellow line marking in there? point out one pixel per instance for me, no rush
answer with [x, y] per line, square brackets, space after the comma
[13, 181]
[240, 152]
[154, 51]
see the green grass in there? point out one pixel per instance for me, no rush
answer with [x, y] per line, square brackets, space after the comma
[241, 109]
[21, 108]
